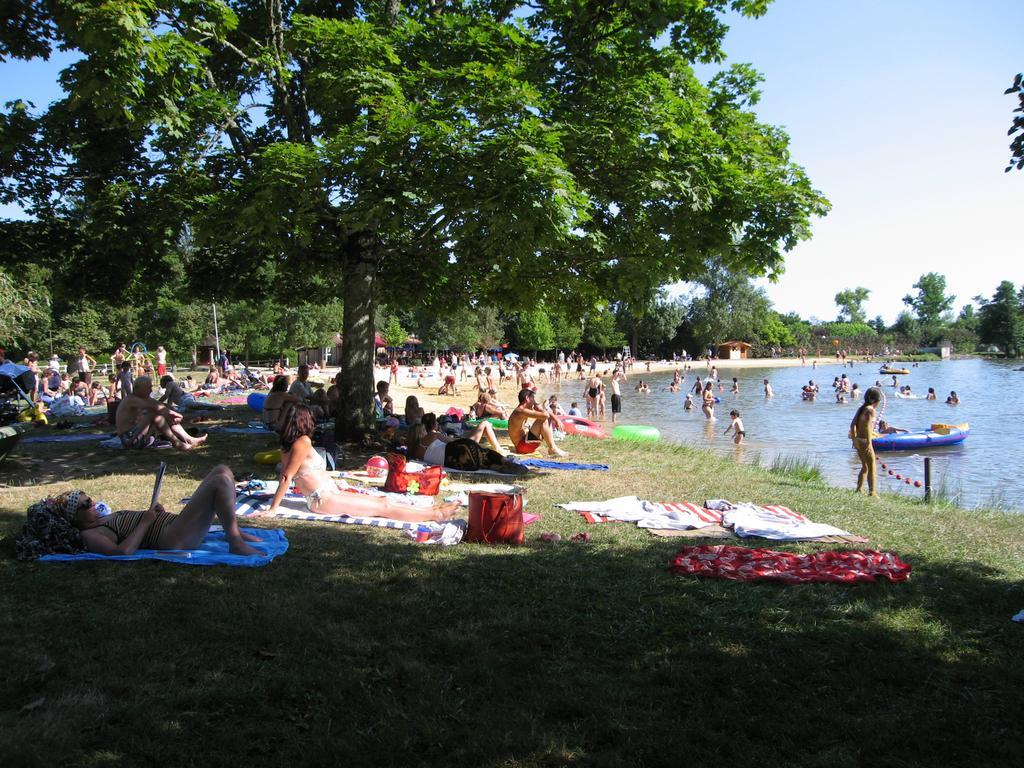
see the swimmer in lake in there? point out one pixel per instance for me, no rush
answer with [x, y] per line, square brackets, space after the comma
[885, 428]
[735, 386]
[768, 389]
[953, 399]
[931, 394]
[688, 403]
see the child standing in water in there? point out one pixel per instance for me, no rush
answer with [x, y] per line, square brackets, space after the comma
[708, 399]
[861, 433]
[736, 426]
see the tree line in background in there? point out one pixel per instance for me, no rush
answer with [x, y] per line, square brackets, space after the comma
[47, 310]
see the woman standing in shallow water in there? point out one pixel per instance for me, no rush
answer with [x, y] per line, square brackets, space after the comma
[708, 396]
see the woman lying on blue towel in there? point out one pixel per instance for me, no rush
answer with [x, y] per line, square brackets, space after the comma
[70, 523]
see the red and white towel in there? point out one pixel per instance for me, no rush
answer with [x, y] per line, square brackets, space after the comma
[682, 516]
[743, 564]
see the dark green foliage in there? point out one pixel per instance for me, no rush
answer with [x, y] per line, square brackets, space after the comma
[851, 304]
[509, 153]
[1016, 132]
[1001, 319]
[931, 305]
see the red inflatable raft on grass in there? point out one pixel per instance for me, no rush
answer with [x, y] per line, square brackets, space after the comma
[577, 425]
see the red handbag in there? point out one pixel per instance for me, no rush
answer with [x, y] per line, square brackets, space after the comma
[495, 518]
[426, 482]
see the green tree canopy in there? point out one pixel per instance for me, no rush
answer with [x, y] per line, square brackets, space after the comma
[336, 148]
[930, 304]
[393, 332]
[1001, 319]
[21, 307]
[533, 331]
[601, 331]
[731, 308]
[851, 304]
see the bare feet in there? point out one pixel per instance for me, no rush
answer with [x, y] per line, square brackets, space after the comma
[241, 548]
[558, 452]
[442, 512]
[249, 537]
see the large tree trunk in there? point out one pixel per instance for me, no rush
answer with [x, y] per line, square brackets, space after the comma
[355, 409]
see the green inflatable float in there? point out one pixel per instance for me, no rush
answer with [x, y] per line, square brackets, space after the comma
[635, 432]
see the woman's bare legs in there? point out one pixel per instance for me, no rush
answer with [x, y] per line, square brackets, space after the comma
[357, 504]
[485, 429]
[214, 496]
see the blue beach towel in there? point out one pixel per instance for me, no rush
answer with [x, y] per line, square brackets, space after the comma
[75, 437]
[213, 551]
[545, 464]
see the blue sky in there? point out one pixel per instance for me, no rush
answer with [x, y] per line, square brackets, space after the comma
[896, 110]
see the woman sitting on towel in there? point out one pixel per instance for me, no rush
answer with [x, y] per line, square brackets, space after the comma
[325, 495]
[431, 446]
[485, 407]
[70, 523]
[278, 402]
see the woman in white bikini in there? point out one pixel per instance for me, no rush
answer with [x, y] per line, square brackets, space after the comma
[324, 494]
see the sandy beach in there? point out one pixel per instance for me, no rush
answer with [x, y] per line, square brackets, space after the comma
[425, 390]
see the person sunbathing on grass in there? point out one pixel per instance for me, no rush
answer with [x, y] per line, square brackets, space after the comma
[434, 447]
[70, 523]
[325, 495]
[140, 418]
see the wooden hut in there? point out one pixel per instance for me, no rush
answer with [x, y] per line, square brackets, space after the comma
[733, 350]
[207, 352]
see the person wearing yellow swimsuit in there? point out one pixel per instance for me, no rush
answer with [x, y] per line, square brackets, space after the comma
[861, 433]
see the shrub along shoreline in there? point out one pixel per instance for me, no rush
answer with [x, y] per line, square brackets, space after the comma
[362, 648]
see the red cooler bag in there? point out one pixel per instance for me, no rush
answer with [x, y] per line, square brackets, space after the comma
[426, 482]
[495, 518]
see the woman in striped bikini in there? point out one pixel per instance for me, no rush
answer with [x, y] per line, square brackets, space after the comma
[122, 533]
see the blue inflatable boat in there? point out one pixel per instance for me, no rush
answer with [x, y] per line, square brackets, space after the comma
[936, 437]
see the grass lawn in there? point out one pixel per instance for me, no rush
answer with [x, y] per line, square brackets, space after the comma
[361, 648]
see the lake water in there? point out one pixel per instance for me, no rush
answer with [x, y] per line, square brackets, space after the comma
[985, 469]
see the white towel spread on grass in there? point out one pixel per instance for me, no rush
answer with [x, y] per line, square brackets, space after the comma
[747, 520]
[774, 522]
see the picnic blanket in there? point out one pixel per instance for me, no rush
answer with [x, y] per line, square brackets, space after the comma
[212, 551]
[742, 564]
